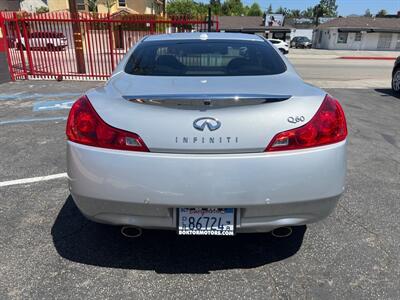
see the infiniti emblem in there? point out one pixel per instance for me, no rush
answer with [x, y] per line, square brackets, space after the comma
[211, 123]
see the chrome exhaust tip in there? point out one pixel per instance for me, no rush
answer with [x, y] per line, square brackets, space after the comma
[282, 232]
[131, 231]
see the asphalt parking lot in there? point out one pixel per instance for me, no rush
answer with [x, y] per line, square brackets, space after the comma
[48, 249]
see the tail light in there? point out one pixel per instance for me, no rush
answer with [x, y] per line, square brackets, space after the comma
[84, 126]
[328, 126]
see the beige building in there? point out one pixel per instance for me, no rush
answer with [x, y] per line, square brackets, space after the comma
[55, 5]
[135, 6]
[113, 6]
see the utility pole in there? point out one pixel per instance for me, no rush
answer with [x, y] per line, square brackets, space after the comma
[209, 21]
[318, 13]
[78, 42]
[164, 10]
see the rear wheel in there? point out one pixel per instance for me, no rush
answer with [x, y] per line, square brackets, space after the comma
[396, 81]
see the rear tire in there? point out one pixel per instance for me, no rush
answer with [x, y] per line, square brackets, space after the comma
[396, 81]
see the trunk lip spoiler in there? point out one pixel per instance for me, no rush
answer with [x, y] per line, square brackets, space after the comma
[206, 97]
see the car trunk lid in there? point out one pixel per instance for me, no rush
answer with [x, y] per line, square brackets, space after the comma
[206, 115]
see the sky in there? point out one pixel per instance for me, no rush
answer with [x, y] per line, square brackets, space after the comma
[346, 7]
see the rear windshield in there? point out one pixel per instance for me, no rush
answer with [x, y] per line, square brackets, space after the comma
[205, 58]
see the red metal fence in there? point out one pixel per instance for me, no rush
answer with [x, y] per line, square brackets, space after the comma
[60, 45]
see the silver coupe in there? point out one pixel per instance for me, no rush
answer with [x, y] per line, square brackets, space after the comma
[207, 134]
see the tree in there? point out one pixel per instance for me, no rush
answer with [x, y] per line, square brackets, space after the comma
[216, 7]
[295, 13]
[281, 10]
[201, 9]
[182, 7]
[42, 9]
[308, 13]
[254, 10]
[269, 10]
[329, 8]
[246, 9]
[92, 4]
[318, 12]
[381, 13]
[368, 13]
[232, 8]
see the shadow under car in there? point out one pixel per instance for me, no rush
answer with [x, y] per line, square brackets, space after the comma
[387, 92]
[80, 240]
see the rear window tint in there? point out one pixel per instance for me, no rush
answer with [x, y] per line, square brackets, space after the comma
[205, 58]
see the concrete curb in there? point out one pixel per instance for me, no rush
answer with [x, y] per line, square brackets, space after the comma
[368, 57]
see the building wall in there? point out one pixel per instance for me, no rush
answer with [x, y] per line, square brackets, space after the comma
[369, 41]
[55, 5]
[10, 5]
[284, 36]
[140, 6]
[302, 32]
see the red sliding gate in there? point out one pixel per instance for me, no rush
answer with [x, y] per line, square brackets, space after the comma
[60, 45]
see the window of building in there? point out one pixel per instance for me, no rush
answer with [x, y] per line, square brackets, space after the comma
[121, 3]
[385, 40]
[80, 5]
[398, 42]
[358, 37]
[342, 38]
[158, 9]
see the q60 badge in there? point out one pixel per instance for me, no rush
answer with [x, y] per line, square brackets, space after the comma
[296, 119]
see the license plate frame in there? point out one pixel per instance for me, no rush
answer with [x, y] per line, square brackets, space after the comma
[226, 214]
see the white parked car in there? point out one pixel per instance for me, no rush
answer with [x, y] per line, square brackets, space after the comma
[281, 45]
[46, 39]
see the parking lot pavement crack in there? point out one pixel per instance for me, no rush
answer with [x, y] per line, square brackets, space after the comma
[352, 218]
[276, 290]
[393, 159]
[390, 140]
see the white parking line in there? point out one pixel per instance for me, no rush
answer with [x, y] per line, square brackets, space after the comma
[33, 179]
[17, 121]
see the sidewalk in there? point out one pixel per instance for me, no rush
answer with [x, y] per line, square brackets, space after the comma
[335, 54]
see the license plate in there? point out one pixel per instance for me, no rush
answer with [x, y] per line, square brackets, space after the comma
[206, 221]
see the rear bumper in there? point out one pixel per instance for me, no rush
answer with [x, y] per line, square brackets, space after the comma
[268, 190]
